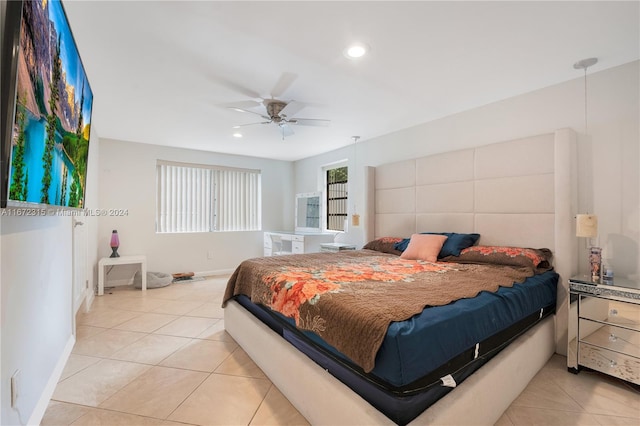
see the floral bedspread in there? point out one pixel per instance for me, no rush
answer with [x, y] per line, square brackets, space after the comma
[350, 298]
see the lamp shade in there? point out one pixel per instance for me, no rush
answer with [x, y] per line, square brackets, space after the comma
[587, 225]
[115, 241]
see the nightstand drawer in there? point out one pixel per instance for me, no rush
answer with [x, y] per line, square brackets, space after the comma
[609, 362]
[610, 337]
[610, 312]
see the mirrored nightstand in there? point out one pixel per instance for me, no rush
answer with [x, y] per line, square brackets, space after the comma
[604, 327]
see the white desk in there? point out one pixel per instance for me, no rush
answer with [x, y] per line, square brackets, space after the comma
[122, 260]
[293, 243]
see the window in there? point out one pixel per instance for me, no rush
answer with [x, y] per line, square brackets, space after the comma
[196, 198]
[337, 180]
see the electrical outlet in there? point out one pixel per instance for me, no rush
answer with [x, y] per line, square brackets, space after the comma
[210, 255]
[14, 388]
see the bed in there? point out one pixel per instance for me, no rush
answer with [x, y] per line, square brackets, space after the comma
[353, 381]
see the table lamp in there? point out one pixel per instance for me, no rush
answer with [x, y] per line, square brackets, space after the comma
[587, 227]
[115, 243]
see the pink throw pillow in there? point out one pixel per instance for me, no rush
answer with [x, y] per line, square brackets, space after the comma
[424, 247]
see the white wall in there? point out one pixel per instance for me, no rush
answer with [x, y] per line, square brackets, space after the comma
[36, 307]
[128, 181]
[36, 301]
[608, 173]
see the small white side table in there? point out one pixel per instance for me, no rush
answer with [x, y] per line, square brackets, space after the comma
[122, 260]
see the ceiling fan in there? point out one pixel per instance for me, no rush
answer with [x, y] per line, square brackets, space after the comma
[281, 114]
[278, 112]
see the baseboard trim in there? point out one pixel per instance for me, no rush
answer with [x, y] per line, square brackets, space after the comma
[215, 272]
[47, 393]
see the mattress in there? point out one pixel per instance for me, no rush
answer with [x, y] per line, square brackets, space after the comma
[423, 357]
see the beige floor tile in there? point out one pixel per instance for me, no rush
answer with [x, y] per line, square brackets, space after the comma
[543, 392]
[223, 400]
[600, 394]
[98, 382]
[200, 355]
[141, 304]
[106, 317]
[178, 307]
[616, 421]
[186, 327]
[172, 292]
[151, 349]
[208, 310]
[106, 343]
[525, 416]
[277, 410]
[207, 294]
[504, 420]
[77, 363]
[156, 392]
[62, 413]
[239, 364]
[85, 331]
[557, 363]
[147, 322]
[216, 332]
[98, 417]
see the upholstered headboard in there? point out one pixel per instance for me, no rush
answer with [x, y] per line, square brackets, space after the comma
[517, 193]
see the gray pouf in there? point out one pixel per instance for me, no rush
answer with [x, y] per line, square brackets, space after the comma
[154, 279]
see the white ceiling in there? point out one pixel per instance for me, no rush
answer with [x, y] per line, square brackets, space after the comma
[162, 72]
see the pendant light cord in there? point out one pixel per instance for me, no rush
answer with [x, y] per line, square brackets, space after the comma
[585, 101]
[583, 65]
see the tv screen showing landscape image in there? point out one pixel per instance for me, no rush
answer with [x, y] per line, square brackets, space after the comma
[52, 112]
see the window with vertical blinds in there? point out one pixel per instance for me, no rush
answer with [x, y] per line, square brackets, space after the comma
[197, 198]
[337, 181]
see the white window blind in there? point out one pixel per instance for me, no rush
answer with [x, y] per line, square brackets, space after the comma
[194, 198]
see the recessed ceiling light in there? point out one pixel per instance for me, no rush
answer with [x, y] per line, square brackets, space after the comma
[356, 50]
[237, 135]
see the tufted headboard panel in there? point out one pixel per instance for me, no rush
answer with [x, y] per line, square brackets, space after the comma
[516, 193]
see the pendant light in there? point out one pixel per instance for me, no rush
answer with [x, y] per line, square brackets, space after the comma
[587, 224]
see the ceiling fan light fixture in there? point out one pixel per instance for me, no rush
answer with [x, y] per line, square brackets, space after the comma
[356, 50]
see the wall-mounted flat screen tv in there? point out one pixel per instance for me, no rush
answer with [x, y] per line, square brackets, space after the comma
[46, 108]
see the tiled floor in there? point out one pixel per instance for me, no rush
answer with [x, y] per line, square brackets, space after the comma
[164, 359]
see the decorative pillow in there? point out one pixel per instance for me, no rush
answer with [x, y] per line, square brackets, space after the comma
[384, 245]
[452, 246]
[501, 255]
[424, 247]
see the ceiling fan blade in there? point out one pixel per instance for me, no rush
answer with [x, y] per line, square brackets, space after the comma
[235, 87]
[291, 109]
[242, 104]
[318, 122]
[250, 124]
[286, 80]
[252, 112]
